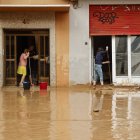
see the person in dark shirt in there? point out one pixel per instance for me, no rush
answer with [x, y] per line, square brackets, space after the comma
[98, 65]
[32, 65]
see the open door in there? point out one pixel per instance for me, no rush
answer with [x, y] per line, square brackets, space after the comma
[10, 60]
[44, 62]
[103, 41]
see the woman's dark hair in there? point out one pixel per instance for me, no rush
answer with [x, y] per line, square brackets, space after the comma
[100, 49]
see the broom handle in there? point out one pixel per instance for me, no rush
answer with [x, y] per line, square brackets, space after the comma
[109, 66]
[29, 66]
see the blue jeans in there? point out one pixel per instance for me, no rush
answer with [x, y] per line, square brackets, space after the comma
[98, 72]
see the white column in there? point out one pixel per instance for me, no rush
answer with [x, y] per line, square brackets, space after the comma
[90, 60]
[129, 58]
[113, 61]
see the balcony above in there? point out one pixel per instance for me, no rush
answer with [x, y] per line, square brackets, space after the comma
[34, 8]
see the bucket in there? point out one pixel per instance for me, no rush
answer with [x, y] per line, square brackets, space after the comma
[43, 85]
[26, 85]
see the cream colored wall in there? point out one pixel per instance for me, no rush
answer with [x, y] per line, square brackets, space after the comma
[62, 49]
[33, 2]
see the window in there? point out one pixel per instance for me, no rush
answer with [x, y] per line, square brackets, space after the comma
[135, 55]
[121, 56]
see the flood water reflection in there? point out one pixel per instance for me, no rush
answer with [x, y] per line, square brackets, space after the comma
[69, 114]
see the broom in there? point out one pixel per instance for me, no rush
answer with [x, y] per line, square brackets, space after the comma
[30, 76]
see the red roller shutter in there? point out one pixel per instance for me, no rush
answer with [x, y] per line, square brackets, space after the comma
[114, 19]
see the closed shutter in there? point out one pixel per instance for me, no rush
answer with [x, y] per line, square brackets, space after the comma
[114, 19]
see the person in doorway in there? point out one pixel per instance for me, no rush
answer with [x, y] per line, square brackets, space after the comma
[97, 101]
[32, 65]
[22, 66]
[98, 65]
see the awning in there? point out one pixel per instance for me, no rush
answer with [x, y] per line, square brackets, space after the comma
[33, 8]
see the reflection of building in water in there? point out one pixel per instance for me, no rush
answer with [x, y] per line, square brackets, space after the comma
[60, 113]
[98, 101]
[80, 126]
[125, 111]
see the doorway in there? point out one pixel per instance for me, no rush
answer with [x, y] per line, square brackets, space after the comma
[103, 41]
[15, 41]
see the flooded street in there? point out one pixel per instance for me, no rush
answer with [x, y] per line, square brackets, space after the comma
[70, 114]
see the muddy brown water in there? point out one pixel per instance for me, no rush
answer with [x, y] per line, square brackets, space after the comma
[69, 114]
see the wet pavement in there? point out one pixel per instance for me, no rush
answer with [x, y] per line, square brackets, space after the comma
[105, 113]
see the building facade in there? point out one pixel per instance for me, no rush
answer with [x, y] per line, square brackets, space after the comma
[69, 32]
[101, 23]
[44, 24]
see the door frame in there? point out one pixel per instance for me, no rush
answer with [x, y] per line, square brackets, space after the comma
[92, 59]
[15, 42]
